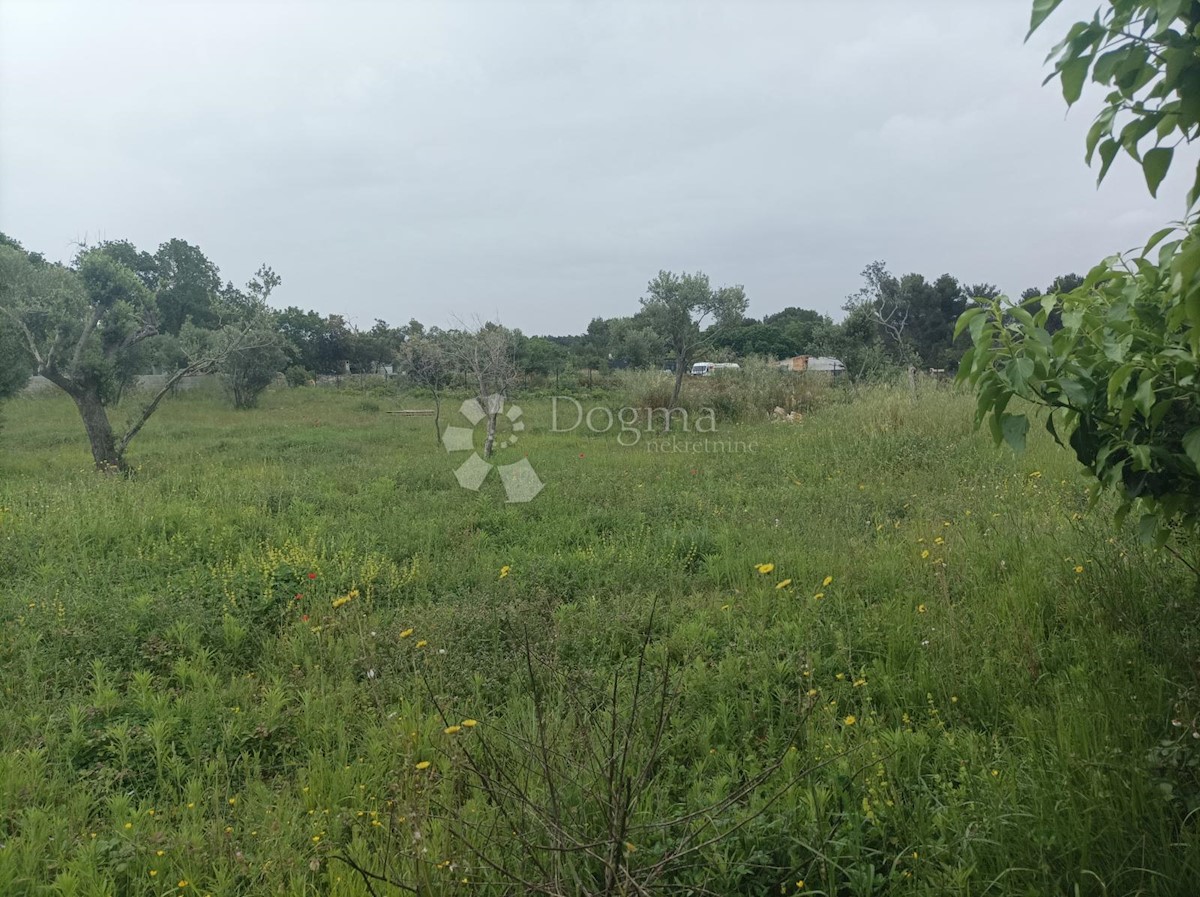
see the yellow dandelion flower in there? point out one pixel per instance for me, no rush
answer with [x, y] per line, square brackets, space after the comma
[783, 584]
[316, 839]
[233, 801]
[939, 541]
[920, 608]
[840, 676]
[159, 853]
[995, 773]
[505, 570]
[342, 600]
[819, 596]
[422, 643]
[812, 692]
[925, 554]
[954, 699]
[153, 872]
[424, 764]
[406, 633]
[800, 884]
[826, 581]
[183, 882]
[764, 568]
[452, 730]
[470, 723]
[859, 683]
[1078, 568]
[850, 720]
[128, 825]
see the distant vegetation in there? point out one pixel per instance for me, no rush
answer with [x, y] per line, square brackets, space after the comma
[91, 327]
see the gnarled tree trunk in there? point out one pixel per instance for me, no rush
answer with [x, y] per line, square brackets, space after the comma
[99, 430]
[106, 452]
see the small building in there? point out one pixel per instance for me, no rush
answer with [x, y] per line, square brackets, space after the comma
[817, 363]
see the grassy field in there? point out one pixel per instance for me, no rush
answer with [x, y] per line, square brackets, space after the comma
[292, 653]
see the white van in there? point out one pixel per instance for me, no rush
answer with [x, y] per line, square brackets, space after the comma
[705, 368]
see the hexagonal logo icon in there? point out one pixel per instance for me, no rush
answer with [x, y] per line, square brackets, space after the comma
[521, 482]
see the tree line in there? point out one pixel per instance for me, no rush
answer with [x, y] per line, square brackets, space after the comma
[93, 325]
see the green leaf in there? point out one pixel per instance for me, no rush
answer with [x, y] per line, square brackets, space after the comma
[1101, 127]
[1041, 9]
[1018, 371]
[1014, 427]
[1073, 74]
[1144, 397]
[1117, 382]
[965, 318]
[1108, 152]
[1155, 164]
[1194, 193]
[1158, 237]
[1191, 445]
[1148, 528]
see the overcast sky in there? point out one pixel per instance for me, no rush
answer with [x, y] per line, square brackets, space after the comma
[539, 162]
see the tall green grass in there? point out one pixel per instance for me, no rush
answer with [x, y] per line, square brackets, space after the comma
[207, 686]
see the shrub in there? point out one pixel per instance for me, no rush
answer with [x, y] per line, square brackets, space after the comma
[298, 375]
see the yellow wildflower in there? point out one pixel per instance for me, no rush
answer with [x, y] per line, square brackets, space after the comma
[406, 633]
[183, 882]
[783, 584]
[422, 643]
[819, 596]
[424, 764]
[764, 568]
[939, 541]
[470, 723]
[859, 683]
[1078, 568]
[452, 730]
[505, 570]
[925, 554]
[153, 872]
[920, 608]
[850, 720]
[826, 581]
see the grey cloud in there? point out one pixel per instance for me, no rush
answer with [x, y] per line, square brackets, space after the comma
[541, 161]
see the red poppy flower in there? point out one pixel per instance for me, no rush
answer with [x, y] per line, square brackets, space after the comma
[312, 576]
[304, 618]
[299, 596]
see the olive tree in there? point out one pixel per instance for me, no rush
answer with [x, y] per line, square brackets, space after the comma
[425, 359]
[676, 306]
[79, 326]
[257, 352]
[485, 356]
[1118, 382]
